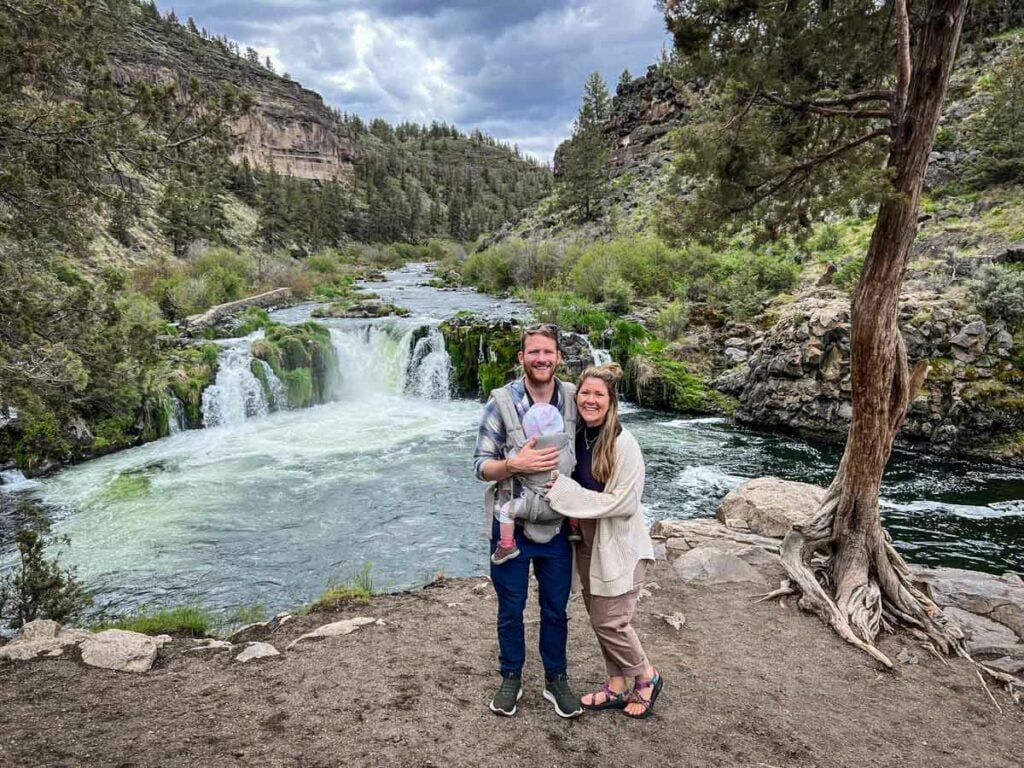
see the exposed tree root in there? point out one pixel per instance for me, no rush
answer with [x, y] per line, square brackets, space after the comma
[879, 595]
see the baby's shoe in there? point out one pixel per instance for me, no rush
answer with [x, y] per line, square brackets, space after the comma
[503, 554]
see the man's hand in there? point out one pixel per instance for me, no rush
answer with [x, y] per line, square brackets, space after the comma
[530, 459]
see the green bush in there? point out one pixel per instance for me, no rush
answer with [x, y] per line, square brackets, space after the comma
[998, 291]
[673, 319]
[40, 588]
[490, 270]
[997, 130]
[567, 310]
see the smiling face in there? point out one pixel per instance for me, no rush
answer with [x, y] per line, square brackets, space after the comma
[539, 358]
[593, 401]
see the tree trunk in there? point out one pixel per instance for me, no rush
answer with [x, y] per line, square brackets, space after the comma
[843, 549]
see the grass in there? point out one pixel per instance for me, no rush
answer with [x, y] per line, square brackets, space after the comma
[358, 591]
[187, 620]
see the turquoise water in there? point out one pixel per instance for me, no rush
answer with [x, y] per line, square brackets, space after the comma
[267, 509]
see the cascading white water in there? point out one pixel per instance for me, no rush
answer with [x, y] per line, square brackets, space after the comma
[277, 395]
[429, 372]
[177, 422]
[236, 395]
[600, 356]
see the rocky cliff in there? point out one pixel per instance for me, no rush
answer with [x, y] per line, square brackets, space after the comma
[288, 129]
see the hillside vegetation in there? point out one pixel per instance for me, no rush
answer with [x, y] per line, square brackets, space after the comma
[151, 170]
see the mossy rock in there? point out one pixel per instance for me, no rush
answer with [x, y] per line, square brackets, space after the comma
[303, 359]
[360, 307]
[484, 355]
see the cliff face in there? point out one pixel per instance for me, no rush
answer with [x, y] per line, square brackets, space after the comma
[289, 128]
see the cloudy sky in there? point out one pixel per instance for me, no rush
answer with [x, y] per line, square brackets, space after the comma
[513, 68]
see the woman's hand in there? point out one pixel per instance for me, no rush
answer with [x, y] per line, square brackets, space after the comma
[530, 459]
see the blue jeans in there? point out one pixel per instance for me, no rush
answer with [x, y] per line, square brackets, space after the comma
[552, 565]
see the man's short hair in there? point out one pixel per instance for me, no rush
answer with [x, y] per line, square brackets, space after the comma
[548, 330]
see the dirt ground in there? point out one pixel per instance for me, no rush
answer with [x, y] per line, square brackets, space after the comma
[745, 685]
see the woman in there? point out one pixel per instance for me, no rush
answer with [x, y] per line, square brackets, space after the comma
[611, 561]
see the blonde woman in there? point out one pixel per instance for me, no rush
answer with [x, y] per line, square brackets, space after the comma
[615, 552]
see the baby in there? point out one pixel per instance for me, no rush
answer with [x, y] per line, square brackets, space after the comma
[541, 421]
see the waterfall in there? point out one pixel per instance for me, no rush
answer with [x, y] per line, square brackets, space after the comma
[382, 358]
[177, 420]
[429, 372]
[236, 395]
[373, 359]
[601, 356]
[14, 480]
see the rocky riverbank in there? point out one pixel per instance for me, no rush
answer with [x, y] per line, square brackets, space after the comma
[405, 679]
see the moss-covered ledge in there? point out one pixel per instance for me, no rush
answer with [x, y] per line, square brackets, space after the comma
[303, 359]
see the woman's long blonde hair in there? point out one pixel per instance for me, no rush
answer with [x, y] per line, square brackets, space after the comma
[603, 458]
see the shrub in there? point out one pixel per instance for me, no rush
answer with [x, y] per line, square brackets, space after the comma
[40, 588]
[998, 291]
[674, 318]
[490, 270]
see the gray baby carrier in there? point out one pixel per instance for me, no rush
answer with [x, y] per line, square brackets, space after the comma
[540, 522]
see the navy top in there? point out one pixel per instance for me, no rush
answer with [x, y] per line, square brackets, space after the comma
[584, 454]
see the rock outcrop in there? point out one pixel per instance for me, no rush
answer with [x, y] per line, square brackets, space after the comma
[796, 375]
[288, 128]
[769, 506]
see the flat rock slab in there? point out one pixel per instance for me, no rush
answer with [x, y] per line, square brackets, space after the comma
[41, 638]
[337, 629]
[120, 650]
[999, 598]
[984, 636]
[257, 651]
[707, 565]
[769, 506]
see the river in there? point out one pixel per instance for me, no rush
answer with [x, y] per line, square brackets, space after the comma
[265, 507]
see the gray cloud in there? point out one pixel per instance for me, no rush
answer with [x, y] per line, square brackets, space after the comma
[512, 68]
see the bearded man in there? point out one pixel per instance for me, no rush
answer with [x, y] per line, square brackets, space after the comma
[495, 462]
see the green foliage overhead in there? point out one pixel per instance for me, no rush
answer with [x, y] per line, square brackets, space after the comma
[793, 121]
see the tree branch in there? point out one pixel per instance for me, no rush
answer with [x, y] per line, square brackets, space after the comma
[903, 67]
[809, 165]
[815, 109]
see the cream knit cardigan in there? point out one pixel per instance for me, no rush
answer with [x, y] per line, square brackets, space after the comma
[621, 540]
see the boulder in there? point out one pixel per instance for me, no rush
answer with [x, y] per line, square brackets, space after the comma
[984, 594]
[120, 650]
[769, 506]
[257, 651]
[337, 629]
[709, 565]
[41, 637]
[984, 636]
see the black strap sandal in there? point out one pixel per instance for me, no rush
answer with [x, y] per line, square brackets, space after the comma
[612, 700]
[633, 697]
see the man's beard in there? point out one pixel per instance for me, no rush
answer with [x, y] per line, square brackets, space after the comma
[547, 373]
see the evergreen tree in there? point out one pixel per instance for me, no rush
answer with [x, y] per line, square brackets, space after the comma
[804, 112]
[624, 80]
[581, 162]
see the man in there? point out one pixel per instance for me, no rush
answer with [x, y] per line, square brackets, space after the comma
[539, 356]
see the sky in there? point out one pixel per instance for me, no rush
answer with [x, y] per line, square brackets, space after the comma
[512, 68]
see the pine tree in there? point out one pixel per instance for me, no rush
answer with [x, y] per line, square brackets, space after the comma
[580, 163]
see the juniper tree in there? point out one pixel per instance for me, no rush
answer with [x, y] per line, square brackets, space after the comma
[814, 104]
[580, 162]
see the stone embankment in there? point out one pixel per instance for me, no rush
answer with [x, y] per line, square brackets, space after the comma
[796, 375]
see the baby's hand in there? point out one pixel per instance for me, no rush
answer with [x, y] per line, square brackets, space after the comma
[548, 485]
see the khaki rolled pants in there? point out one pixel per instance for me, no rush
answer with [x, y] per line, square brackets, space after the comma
[610, 618]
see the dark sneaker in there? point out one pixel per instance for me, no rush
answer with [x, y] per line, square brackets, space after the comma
[508, 695]
[504, 554]
[558, 692]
